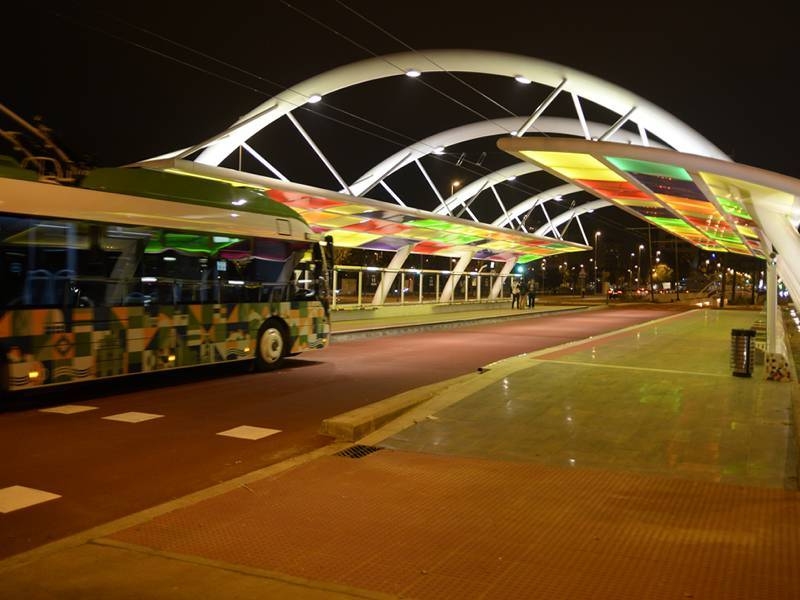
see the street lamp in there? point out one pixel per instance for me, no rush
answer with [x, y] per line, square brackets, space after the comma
[453, 185]
[544, 266]
[596, 235]
[639, 266]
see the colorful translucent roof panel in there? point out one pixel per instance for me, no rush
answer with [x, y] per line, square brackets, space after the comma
[373, 225]
[357, 223]
[682, 194]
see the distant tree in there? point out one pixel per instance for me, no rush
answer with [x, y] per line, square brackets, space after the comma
[344, 256]
[662, 273]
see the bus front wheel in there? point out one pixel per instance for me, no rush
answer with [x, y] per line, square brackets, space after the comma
[272, 345]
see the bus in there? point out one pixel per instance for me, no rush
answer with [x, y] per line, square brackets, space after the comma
[135, 270]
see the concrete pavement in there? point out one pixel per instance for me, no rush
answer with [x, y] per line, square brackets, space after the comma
[630, 465]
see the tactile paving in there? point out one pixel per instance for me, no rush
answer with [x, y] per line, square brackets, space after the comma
[438, 527]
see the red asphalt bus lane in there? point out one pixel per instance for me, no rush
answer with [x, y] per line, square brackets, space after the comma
[104, 470]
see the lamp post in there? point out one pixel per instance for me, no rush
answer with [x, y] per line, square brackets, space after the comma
[677, 276]
[639, 266]
[596, 235]
[630, 271]
[453, 185]
[544, 267]
[650, 261]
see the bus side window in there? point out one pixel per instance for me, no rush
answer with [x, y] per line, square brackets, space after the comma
[13, 278]
[65, 289]
[39, 288]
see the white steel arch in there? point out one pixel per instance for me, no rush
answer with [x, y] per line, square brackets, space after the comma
[472, 131]
[648, 116]
[526, 205]
[565, 217]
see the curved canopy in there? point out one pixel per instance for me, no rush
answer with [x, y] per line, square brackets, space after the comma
[653, 126]
[717, 205]
[373, 225]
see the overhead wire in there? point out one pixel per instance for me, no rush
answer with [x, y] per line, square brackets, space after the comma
[438, 66]
[141, 46]
[283, 88]
[430, 60]
[377, 55]
[530, 189]
[213, 74]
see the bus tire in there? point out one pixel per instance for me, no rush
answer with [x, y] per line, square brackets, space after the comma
[272, 346]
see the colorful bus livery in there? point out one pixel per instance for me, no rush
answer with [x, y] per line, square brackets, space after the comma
[105, 342]
[101, 284]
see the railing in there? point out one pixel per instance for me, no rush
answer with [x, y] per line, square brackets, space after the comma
[355, 287]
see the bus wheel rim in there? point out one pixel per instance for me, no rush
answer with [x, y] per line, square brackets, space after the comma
[271, 347]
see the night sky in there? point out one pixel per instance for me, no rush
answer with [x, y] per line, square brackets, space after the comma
[121, 82]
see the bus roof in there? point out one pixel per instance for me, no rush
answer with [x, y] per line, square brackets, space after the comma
[190, 190]
[9, 167]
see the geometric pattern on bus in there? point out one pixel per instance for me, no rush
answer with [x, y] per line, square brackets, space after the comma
[121, 340]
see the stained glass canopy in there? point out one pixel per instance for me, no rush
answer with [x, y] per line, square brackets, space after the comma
[373, 225]
[705, 201]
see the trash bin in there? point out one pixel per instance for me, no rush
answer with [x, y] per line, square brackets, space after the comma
[741, 352]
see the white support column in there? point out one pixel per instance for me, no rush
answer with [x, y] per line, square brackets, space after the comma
[210, 142]
[542, 107]
[581, 118]
[502, 207]
[530, 211]
[615, 127]
[319, 153]
[452, 281]
[264, 162]
[379, 180]
[778, 233]
[472, 215]
[643, 135]
[776, 357]
[392, 194]
[501, 278]
[771, 305]
[433, 187]
[468, 203]
[554, 229]
[390, 274]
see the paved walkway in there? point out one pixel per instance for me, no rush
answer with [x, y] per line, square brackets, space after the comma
[632, 465]
[381, 323]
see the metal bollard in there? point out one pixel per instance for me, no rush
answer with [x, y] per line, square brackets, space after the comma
[741, 352]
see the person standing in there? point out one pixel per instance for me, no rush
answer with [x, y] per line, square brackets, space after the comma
[515, 292]
[531, 293]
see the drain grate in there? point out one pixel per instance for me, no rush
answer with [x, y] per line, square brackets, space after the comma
[358, 451]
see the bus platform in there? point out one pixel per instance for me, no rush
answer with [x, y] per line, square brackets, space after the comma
[629, 465]
[388, 320]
